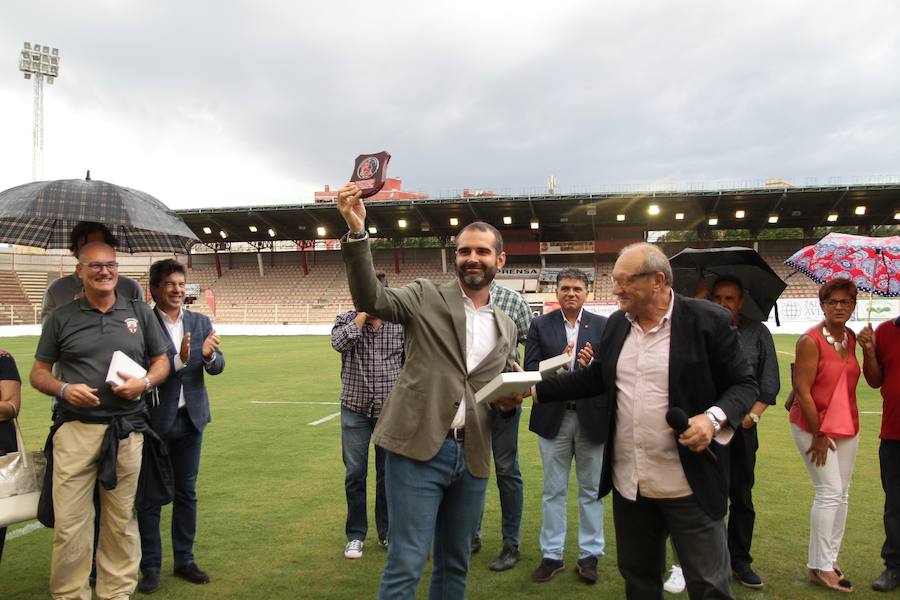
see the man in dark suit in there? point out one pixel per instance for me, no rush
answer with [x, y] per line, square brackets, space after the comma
[179, 418]
[663, 351]
[572, 429]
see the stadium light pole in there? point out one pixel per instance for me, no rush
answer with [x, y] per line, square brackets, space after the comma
[38, 62]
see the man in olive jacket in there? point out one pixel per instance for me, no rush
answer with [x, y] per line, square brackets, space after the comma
[436, 437]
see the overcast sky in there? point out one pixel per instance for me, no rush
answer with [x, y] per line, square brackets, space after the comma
[221, 103]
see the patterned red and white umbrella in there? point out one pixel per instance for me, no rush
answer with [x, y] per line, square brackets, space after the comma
[872, 263]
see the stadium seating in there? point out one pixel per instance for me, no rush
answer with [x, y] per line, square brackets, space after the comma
[283, 294]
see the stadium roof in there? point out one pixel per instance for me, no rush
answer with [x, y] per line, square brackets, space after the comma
[564, 217]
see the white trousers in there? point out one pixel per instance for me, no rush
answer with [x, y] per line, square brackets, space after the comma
[831, 483]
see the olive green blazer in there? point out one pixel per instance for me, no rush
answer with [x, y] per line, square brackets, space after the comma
[417, 414]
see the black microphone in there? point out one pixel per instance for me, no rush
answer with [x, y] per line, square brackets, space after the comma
[678, 420]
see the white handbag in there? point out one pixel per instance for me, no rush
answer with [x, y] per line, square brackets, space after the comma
[21, 479]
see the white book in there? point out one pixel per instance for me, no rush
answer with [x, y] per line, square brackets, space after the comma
[122, 362]
[504, 384]
[549, 366]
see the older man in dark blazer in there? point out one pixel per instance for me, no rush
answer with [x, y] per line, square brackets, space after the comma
[575, 429]
[663, 351]
[179, 418]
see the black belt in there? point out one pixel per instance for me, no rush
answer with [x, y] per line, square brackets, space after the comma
[571, 406]
[457, 435]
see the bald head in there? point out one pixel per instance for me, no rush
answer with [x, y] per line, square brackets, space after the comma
[648, 259]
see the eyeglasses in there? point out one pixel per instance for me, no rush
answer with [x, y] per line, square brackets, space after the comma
[845, 302]
[96, 267]
[629, 279]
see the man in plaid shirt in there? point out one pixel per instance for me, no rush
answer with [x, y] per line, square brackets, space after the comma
[371, 357]
[505, 446]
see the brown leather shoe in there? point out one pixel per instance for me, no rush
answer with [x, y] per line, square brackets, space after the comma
[587, 569]
[547, 569]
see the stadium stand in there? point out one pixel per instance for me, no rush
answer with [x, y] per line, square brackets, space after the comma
[281, 293]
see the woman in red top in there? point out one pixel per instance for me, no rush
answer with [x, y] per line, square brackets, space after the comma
[825, 424]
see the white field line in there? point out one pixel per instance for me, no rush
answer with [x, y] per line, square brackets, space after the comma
[791, 354]
[293, 402]
[325, 419]
[21, 531]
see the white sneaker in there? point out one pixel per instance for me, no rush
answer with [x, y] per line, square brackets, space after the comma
[353, 549]
[675, 583]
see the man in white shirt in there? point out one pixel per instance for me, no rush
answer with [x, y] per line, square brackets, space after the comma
[179, 419]
[436, 437]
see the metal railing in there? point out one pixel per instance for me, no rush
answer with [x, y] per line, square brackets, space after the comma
[237, 314]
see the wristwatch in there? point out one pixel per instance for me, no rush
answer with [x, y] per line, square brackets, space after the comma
[147, 385]
[356, 235]
[753, 417]
[717, 427]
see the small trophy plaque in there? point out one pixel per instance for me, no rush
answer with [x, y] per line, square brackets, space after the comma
[369, 172]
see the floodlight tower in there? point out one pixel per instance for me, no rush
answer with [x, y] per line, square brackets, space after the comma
[37, 62]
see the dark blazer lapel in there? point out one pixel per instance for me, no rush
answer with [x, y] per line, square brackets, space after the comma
[453, 297]
[172, 350]
[682, 324]
[559, 333]
[617, 329]
[584, 333]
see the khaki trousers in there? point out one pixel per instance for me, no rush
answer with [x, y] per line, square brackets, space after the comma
[76, 450]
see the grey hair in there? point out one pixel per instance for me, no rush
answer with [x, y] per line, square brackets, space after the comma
[655, 261]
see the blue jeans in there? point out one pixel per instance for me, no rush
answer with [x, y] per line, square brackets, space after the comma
[356, 433]
[436, 500]
[505, 446]
[183, 442]
[556, 455]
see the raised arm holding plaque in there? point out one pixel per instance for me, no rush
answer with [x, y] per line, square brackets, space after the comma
[369, 172]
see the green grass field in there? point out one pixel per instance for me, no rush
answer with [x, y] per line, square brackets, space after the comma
[271, 496]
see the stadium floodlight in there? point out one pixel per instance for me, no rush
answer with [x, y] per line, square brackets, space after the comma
[897, 216]
[653, 209]
[713, 221]
[321, 231]
[679, 216]
[252, 228]
[207, 230]
[271, 232]
[223, 235]
[832, 217]
[401, 223]
[454, 221]
[739, 214]
[620, 217]
[38, 62]
[859, 210]
[535, 224]
[507, 220]
[373, 230]
[773, 218]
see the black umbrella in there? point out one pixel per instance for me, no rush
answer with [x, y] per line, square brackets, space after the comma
[43, 213]
[762, 286]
